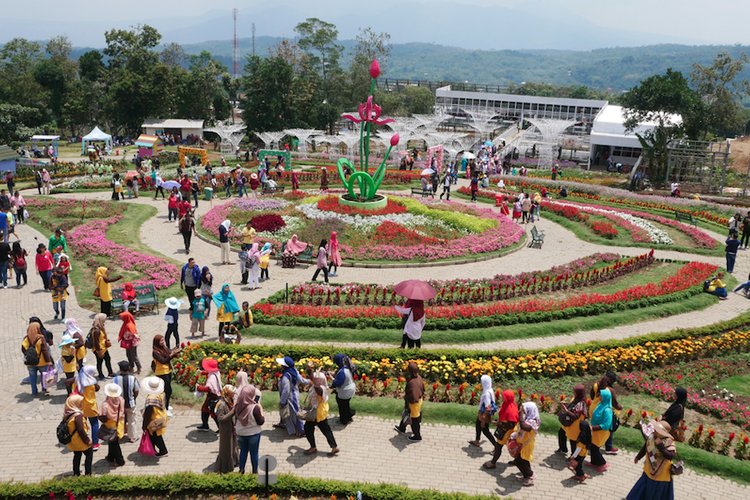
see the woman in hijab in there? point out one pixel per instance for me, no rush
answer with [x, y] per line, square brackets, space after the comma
[112, 415]
[675, 415]
[101, 345]
[35, 340]
[250, 418]
[334, 254]
[85, 385]
[224, 242]
[226, 306]
[574, 412]
[162, 366]
[343, 382]
[212, 389]
[253, 262]
[104, 290]
[656, 481]
[76, 333]
[582, 444]
[207, 281]
[155, 418]
[507, 421]
[58, 283]
[294, 246]
[265, 257]
[129, 339]
[601, 425]
[525, 437]
[324, 179]
[241, 380]
[228, 457]
[607, 382]
[289, 398]
[413, 403]
[487, 408]
[322, 261]
[319, 401]
[129, 296]
[413, 312]
[78, 427]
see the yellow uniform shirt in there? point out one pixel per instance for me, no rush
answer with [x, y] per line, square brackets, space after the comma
[69, 366]
[162, 369]
[25, 344]
[77, 443]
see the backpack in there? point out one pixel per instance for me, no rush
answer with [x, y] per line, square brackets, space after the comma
[20, 263]
[615, 422]
[64, 436]
[707, 283]
[89, 342]
[31, 357]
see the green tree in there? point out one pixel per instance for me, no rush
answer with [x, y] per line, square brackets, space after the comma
[16, 122]
[268, 86]
[91, 66]
[173, 55]
[370, 46]
[18, 58]
[721, 89]
[660, 99]
[202, 87]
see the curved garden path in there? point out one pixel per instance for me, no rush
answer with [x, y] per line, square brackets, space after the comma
[370, 449]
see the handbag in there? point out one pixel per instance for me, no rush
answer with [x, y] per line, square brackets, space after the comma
[146, 448]
[406, 417]
[678, 467]
[285, 412]
[49, 378]
[308, 413]
[97, 294]
[157, 424]
[514, 448]
[109, 434]
[564, 418]
[502, 428]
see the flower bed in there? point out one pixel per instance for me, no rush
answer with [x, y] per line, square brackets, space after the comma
[587, 271]
[331, 204]
[89, 243]
[687, 282]
[605, 229]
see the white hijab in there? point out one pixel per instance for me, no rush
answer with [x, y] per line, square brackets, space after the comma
[488, 395]
[85, 378]
[226, 224]
[531, 415]
[71, 326]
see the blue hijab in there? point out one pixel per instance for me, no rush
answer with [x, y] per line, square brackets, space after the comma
[603, 414]
[291, 370]
[227, 299]
[343, 361]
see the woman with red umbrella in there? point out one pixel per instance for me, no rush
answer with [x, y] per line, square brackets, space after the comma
[413, 311]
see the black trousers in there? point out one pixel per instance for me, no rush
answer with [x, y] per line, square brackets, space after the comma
[416, 426]
[264, 273]
[186, 238]
[167, 388]
[562, 441]
[190, 291]
[159, 190]
[87, 464]
[115, 453]
[596, 456]
[172, 330]
[324, 428]
[486, 431]
[106, 307]
[104, 359]
[317, 271]
[524, 466]
[204, 419]
[345, 410]
[68, 376]
[158, 442]
[496, 454]
[743, 241]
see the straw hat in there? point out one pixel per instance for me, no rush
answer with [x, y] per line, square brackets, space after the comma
[210, 365]
[173, 303]
[66, 339]
[662, 429]
[152, 385]
[113, 390]
[254, 176]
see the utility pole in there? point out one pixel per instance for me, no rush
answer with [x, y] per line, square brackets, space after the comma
[236, 47]
[253, 38]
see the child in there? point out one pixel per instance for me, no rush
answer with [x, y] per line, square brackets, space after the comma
[198, 321]
[57, 254]
[128, 297]
[244, 320]
[58, 284]
[171, 318]
[265, 257]
[517, 210]
[64, 264]
[504, 209]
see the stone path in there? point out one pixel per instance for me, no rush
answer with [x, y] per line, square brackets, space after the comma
[370, 449]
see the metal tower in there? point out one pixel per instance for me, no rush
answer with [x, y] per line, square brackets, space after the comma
[236, 47]
[253, 38]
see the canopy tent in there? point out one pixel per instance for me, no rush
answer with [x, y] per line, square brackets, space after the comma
[52, 138]
[148, 145]
[93, 136]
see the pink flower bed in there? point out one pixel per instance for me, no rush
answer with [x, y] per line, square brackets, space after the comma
[89, 241]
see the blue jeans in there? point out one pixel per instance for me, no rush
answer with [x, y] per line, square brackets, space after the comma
[173, 211]
[745, 286]
[249, 444]
[4, 272]
[94, 422]
[242, 189]
[719, 292]
[731, 257]
[32, 377]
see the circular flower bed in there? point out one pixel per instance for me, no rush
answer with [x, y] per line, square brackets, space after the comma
[406, 229]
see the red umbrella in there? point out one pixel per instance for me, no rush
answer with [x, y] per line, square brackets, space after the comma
[415, 289]
[131, 173]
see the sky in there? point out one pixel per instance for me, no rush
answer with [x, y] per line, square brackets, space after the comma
[708, 21]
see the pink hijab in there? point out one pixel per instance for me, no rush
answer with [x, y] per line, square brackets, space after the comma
[295, 246]
[334, 243]
[253, 253]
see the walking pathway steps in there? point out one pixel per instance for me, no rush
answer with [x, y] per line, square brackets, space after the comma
[371, 450]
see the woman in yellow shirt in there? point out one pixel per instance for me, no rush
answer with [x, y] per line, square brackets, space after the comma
[656, 481]
[155, 414]
[105, 289]
[226, 306]
[85, 384]
[79, 444]
[68, 355]
[162, 365]
[507, 423]
[101, 345]
[525, 437]
[319, 401]
[112, 415]
[718, 288]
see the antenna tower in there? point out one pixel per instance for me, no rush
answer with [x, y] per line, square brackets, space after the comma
[253, 38]
[236, 47]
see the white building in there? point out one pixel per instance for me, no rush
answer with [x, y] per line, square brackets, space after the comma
[174, 126]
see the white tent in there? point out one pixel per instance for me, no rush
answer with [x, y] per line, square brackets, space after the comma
[95, 135]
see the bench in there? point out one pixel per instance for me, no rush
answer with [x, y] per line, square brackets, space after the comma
[537, 238]
[684, 217]
[146, 297]
[277, 189]
[305, 255]
[424, 193]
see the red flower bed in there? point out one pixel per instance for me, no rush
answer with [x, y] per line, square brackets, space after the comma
[396, 234]
[605, 229]
[331, 203]
[568, 211]
[267, 222]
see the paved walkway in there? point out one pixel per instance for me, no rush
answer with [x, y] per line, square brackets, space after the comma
[371, 449]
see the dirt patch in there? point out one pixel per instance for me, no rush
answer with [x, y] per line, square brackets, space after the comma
[739, 156]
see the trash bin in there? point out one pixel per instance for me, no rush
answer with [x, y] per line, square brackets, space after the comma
[499, 200]
[209, 192]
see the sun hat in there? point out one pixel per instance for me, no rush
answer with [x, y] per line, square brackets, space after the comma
[67, 339]
[662, 429]
[173, 303]
[282, 362]
[197, 293]
[210, 365]
[253, 176]
[113, 390]
[152, 385]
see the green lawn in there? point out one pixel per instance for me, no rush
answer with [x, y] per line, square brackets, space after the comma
[739, 385]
